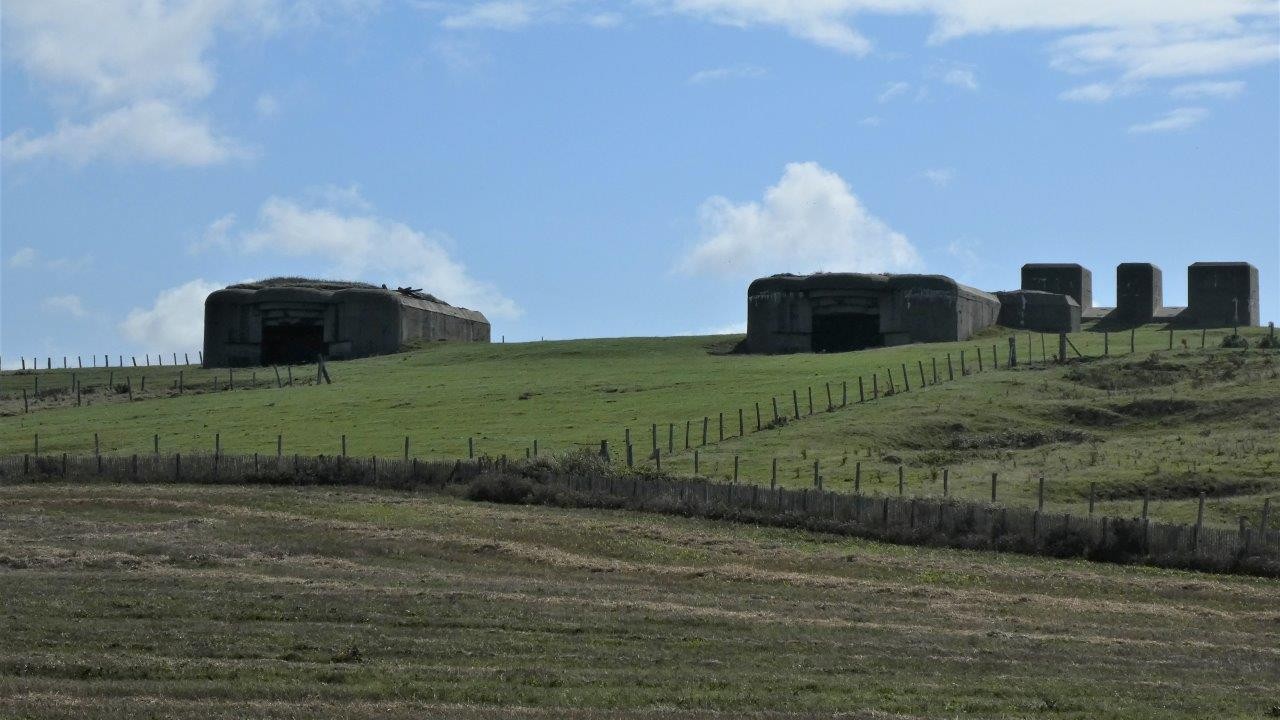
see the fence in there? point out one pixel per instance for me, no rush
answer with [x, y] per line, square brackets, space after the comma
[912, 520]
[80, 364]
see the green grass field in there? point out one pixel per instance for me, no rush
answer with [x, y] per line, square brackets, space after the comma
[1170, 423]
[231, 602]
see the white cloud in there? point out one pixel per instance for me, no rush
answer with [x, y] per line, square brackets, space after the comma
[68, 304]
[810, 220]
[731, 328]
[501, 15]
[893, 90]
[22, 257]
[1132, 39]
[267, 105]
[726, 73]
[870, 121]
[1173, 121]
[124, 76]
[360, 245]
[961, 78]
[149, 131]
[1194, 91]
[965, 252]
[941, 177]
[175, 319]
[1098, 92]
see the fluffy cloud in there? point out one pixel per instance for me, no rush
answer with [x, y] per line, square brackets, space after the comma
[810, 220]
[22, 257]
[1133, 39]
[126, 75]
[67, 304]
[1172, 121]
[941, 177]
[175, 320]
[892, 90]
[360, 245]
[961, 78]
[1197, 90]
[150, 131]
[502, 15]
[726, 73]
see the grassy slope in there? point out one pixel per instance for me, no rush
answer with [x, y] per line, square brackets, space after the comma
[228, 602]
[578, 392]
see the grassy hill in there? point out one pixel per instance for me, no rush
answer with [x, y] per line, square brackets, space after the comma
[1168, 423]
[229, 602]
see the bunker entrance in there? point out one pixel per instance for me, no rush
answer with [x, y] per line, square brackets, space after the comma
[292, 344]
[839, 332]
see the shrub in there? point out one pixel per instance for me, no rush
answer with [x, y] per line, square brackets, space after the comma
[1235, 340]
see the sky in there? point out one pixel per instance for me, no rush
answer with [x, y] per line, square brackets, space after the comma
[587, 169]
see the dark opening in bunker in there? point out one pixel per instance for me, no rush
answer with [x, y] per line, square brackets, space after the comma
[292, 344]
[839, 332]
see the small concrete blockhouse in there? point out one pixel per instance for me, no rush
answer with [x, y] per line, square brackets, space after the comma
[1139, 292]
[294, 320]
[834, 312]
[1222, 294]
[1036, 310]
[1063, 278]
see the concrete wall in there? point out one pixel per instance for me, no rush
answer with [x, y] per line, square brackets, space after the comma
[1139, 292]
[1222, 294]
[781, 309]
[352, 322]
[1063, 278]
[1041, 311]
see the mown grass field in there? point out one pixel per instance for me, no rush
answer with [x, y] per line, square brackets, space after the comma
[230, 602]
[1168, 423]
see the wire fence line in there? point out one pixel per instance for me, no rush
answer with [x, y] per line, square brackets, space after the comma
[87, 362]
[946, 522]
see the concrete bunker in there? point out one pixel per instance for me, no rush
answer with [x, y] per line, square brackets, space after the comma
[838, 312]
[1038, 310]
[1062, 278]
[294, 320]
[1139, 292]
[1222, 294]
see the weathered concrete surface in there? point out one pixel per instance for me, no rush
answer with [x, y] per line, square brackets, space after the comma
[1063, 278]
[279, 321]
[833, 312]
[1037, 310]
[1222, 294]
[1139, 292]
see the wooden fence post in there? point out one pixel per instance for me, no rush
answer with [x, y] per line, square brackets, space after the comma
[964, 369]
[1106, 344]
[696, 463]
[1133, 340]
[1170, 338]
[757, 417]
[830, 406]
[705, 422]
[875, 386]
[653, 432]
[857, 477]
[775, 411]
[995, 359]
[155, 444]
[773, 478]
[1093, 488]
[671, 438]
[630, 455]
[795, 403]
[980, 369]
[922, 380]
[816, 481]
[844, 393]
[861, 397]
[720, 420]
[279, 446]
[1062, 348]
[946, 482]
[735, 468]
[950, 372]
[95, 445]
[1195, 539]
[406, 448]
[687, 423]
[901, 482]
[934, 361]
[1040, 496]
[993, 487]
[888, 374]
[742, 426]
[1262, 524]
[471, 448]
[344, 446]
[906, 382]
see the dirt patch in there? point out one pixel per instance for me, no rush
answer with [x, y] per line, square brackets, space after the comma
[1019, 439]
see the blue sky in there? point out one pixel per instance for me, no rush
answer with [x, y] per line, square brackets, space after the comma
[583, 169]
